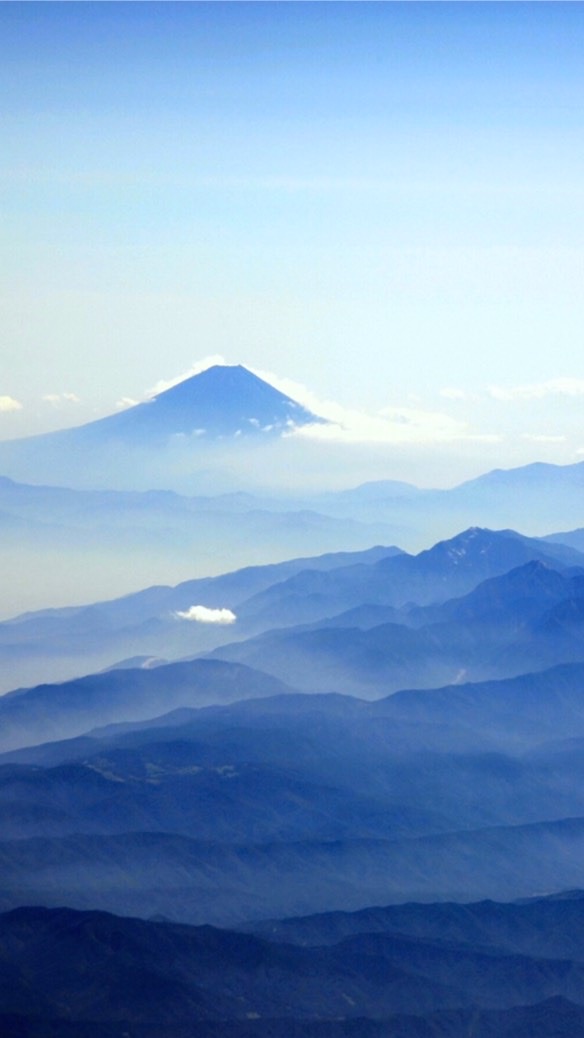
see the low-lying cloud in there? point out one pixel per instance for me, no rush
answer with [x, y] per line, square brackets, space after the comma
[392, 425]
[203, 615]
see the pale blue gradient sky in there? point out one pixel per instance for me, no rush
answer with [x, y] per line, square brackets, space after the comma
[380, 201]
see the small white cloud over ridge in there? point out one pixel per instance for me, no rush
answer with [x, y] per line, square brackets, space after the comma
[203, 615]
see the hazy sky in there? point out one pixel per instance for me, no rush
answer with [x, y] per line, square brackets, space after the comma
[382, 202]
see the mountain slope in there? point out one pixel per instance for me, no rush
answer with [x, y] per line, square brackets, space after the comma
[545, 926]
[374, 583]
[450, 568]
[298, 804]
[56, 644]
[181, 878]
[537, 498]
[483, 638]
[118, 970]
[56, 711]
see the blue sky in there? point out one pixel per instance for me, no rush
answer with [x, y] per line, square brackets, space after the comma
[382, 203]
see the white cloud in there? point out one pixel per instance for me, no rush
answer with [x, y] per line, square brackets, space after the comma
[203, 615]
[8, 403]
[56, 399]
[539, 390]
[126, 401]
[301, 394]
[393, 425]
[450, 393]
[196, 368]
[542, 438]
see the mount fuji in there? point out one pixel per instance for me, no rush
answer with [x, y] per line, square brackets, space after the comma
[222, 401]
[214, 412]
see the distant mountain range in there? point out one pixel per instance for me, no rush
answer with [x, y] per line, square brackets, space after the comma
[157, 979]
[538, 498]
[272, 777]
[205, 436]
[526, 619]
[57, 643]
[315, 723]
[290, 804]
[388, 973]
[81, 518]
[60, 545]
[365, 622]
[231, 772]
